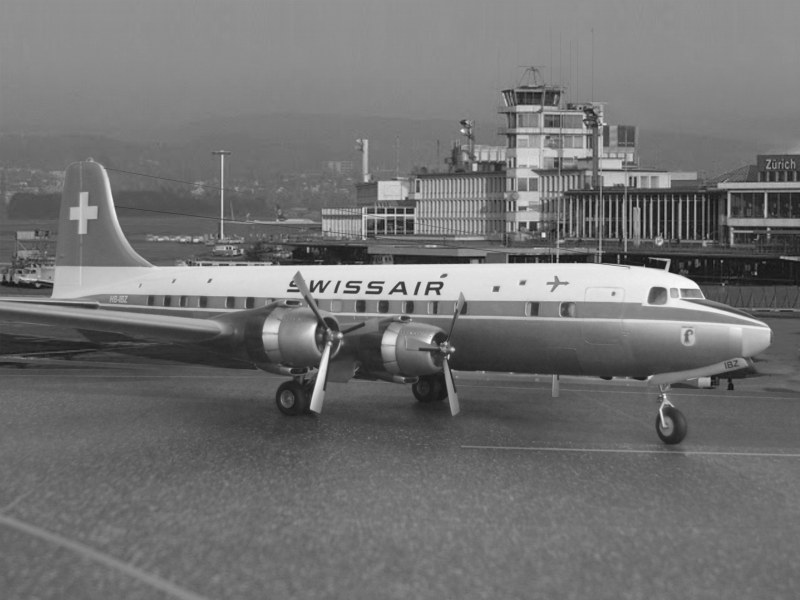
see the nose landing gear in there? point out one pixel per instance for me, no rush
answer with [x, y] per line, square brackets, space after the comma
[670, 422]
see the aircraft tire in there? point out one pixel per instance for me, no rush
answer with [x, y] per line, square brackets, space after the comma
[676, 426]
[429, 388]
[292, 398]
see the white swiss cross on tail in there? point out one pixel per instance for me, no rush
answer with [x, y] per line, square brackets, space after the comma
[83, 213]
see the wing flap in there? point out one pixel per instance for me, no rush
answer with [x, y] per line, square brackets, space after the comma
[143, 325]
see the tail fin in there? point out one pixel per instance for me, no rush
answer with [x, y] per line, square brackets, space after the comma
[89, 234]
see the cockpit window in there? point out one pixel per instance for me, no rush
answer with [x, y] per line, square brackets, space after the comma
[691, 293]
[657, 295]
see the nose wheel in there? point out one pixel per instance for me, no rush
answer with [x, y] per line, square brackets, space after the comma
[670, 423]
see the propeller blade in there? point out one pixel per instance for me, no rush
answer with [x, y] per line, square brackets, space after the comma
[422, 347]
[306, 293]
[452, 395]
[354, 327]
[456, 312]
[318, 395]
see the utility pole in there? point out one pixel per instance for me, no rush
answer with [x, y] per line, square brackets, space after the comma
[222, 154]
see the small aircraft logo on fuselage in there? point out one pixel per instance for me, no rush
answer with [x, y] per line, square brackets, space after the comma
[556, 283]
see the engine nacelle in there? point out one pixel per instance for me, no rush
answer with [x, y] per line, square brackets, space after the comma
[400, 349]
[289, 337]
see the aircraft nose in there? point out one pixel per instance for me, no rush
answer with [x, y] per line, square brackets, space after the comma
[755, 340]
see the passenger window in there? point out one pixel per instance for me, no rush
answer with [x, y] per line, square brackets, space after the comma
[361, 306]
[408, 307]
[230, 302]
[151, 301]
[202, 301]
[184, 301]
[567, 309]
[383, 306]
[531, 309]
[673, 292]
[658, 295]
[249, 302]
[433, 307]
[167, 300]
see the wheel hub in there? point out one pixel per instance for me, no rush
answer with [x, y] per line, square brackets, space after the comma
[287, 399]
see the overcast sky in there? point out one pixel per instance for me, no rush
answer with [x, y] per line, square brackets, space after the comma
[706, 66]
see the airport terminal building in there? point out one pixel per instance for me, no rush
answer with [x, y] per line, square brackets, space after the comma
[565, 179]
[757, 206]
[762, 203]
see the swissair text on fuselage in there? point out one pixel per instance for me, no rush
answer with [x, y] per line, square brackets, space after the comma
[377, 288]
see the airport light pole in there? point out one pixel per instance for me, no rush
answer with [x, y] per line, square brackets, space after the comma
[222, 154]
[625, 208]
[468, 131]
[593, 121]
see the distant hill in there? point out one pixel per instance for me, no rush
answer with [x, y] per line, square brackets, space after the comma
[264, 146]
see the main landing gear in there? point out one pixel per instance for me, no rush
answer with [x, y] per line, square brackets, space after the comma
[670, 422]
[430, 388]
[294, 397]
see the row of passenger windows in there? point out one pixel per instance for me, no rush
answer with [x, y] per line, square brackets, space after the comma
[656, 296]
[430, 307]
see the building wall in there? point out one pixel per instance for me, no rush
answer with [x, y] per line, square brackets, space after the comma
[653, 216]
[342, 223]
[389, 190]
[461, 204]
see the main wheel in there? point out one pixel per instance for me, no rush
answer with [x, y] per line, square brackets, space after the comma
[676, 427]
[291, 398]
[429, 388]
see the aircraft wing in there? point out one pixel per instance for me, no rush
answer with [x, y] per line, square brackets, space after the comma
[85, 315]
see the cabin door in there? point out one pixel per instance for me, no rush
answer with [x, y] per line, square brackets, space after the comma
[602, 315]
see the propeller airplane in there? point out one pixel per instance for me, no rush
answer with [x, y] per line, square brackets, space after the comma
[401, 324]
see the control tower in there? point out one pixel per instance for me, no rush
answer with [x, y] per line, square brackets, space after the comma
[544, 135]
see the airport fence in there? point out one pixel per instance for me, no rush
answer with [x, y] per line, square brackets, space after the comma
[779, 297]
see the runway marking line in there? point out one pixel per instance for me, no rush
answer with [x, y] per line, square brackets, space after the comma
[100, 557]
[675, 452]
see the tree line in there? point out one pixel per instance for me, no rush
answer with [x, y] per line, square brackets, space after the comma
[27, 205]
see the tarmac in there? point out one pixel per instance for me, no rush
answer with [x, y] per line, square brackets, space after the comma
[127, 475]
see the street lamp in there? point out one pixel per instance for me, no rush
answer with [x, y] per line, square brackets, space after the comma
[222, 154]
